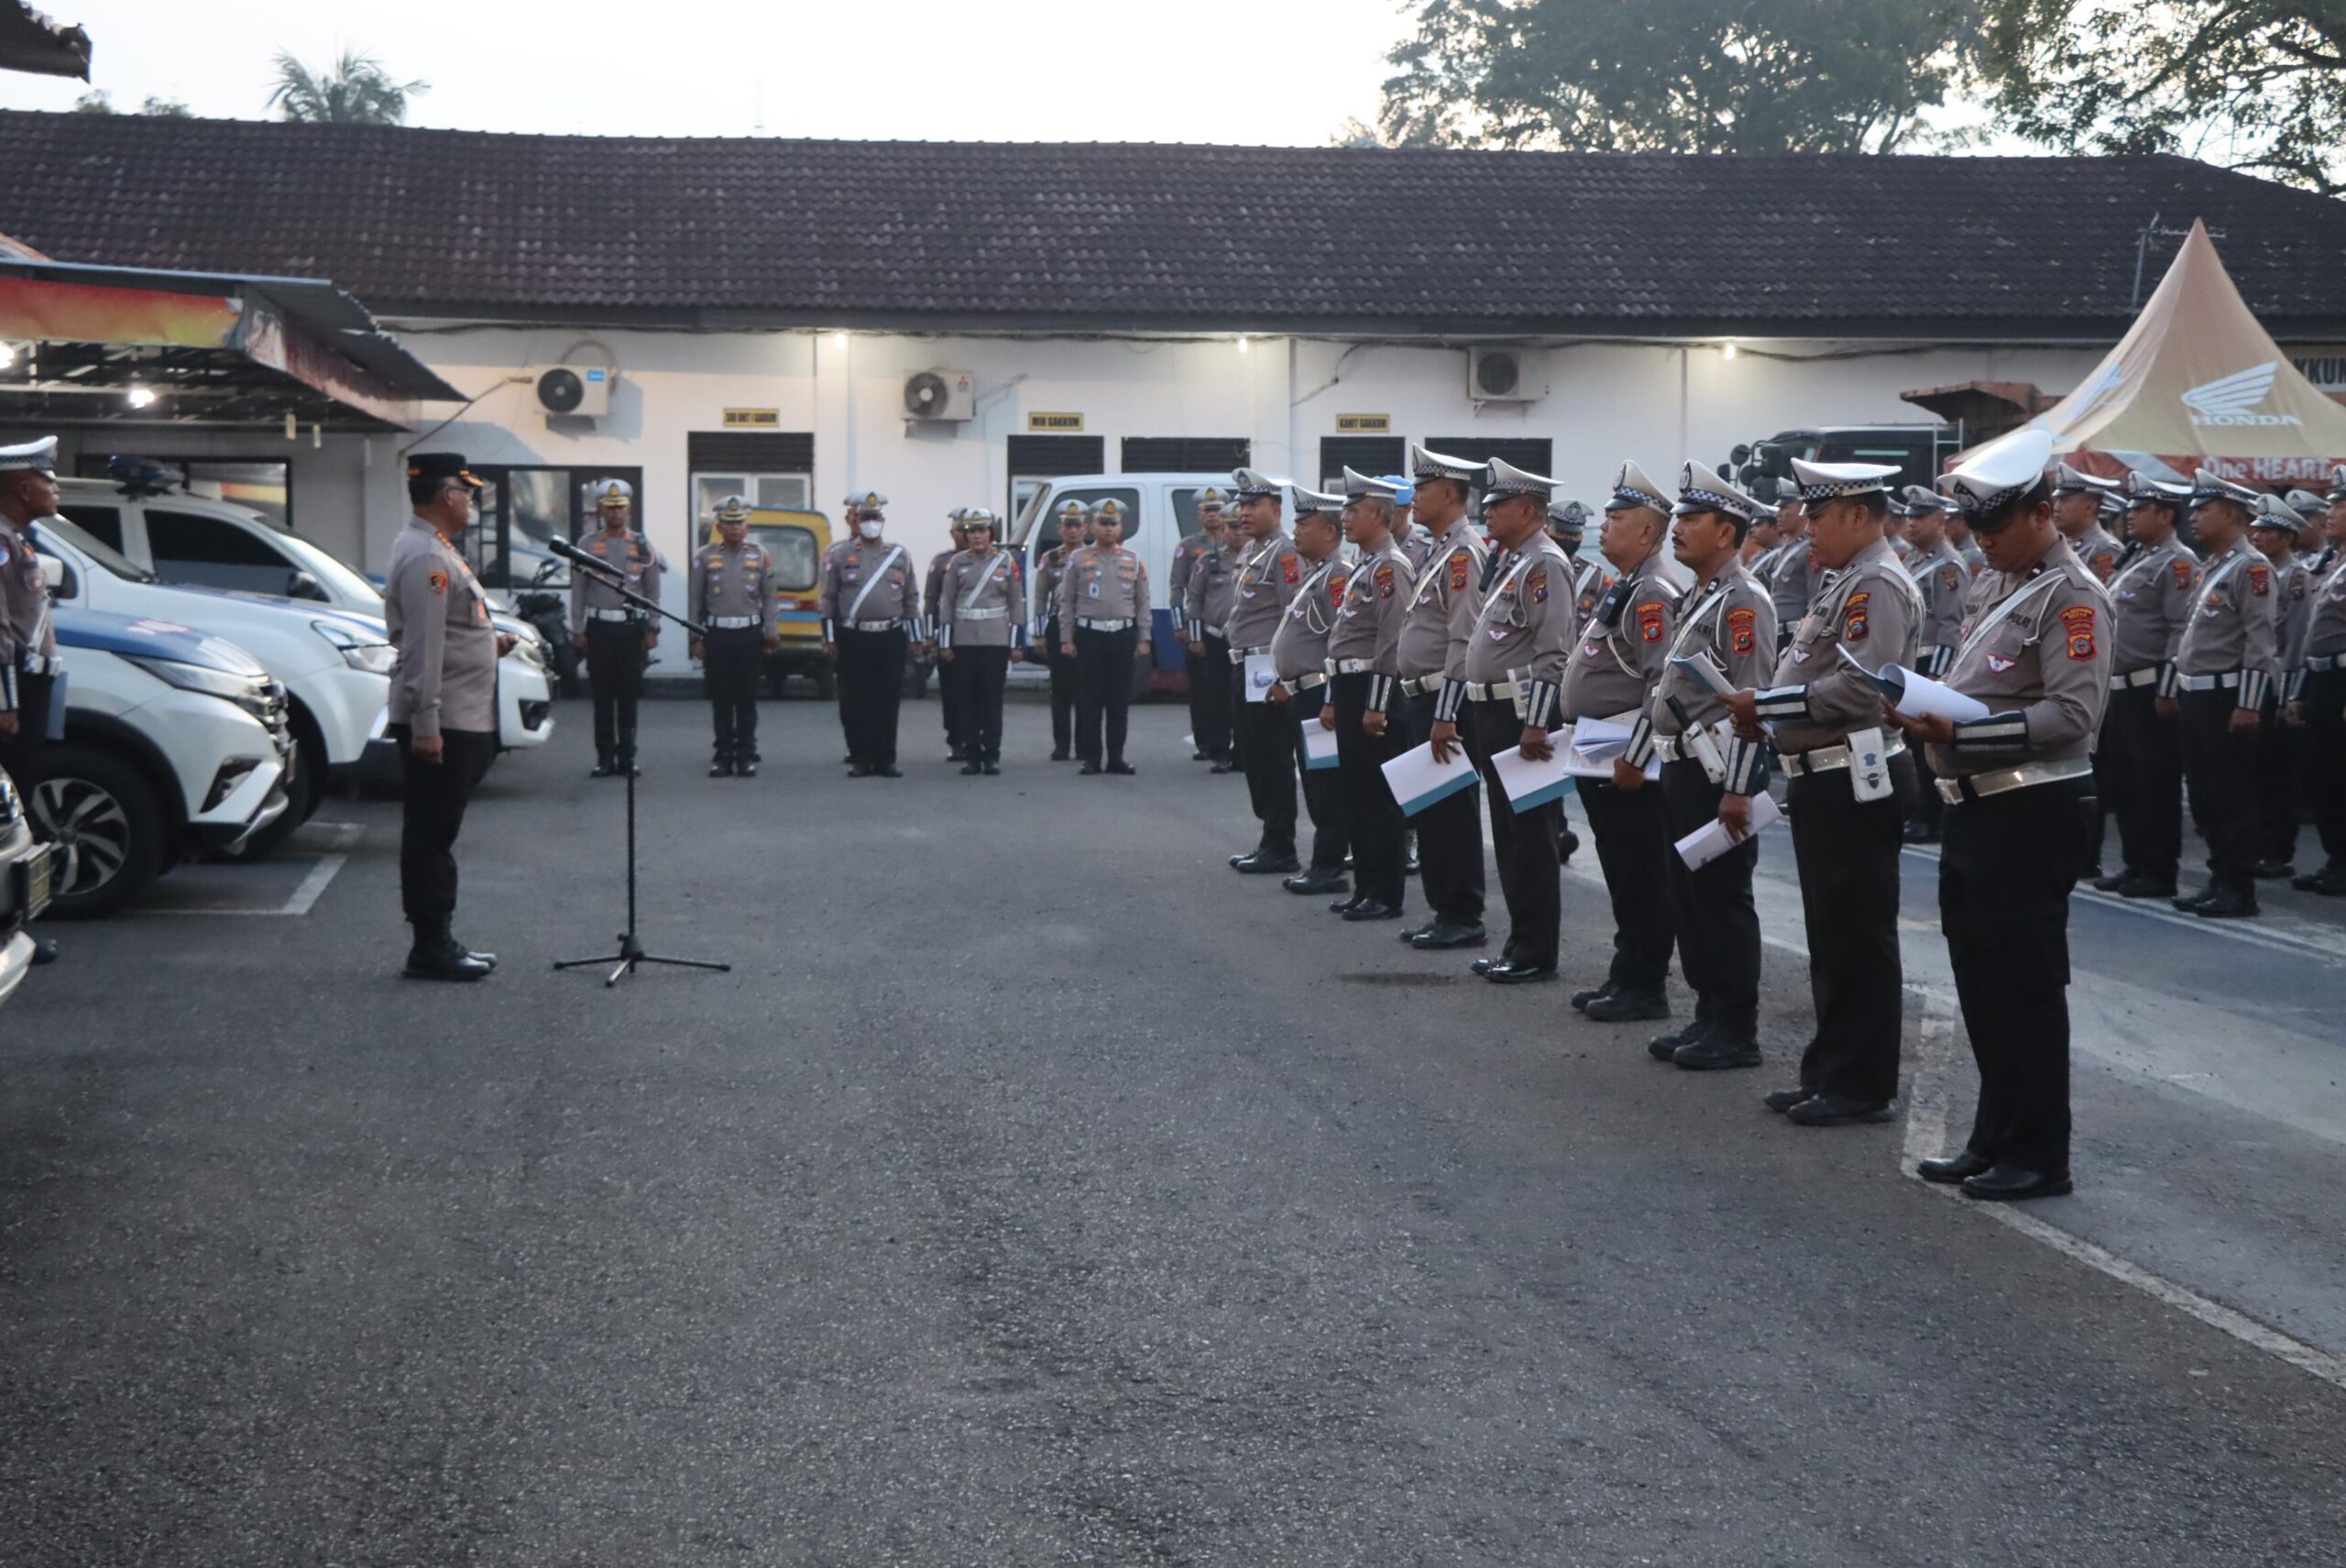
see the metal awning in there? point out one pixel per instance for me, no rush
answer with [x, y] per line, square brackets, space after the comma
[135, 346]
[31, 42]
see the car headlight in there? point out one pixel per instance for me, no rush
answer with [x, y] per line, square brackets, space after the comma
[359, 652]
[530, 653]
[247, 691]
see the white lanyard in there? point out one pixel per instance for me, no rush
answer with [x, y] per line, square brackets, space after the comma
[1719, 588]
[2127, 576]
[992, 566]
[1310, 592]
[1504, 584]
[874, 581]
[2005, 609]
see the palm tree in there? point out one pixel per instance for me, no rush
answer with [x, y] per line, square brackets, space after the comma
[358, 91]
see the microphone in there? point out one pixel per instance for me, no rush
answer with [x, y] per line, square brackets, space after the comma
[577, 557]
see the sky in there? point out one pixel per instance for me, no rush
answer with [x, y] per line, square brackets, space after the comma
[1257, 72]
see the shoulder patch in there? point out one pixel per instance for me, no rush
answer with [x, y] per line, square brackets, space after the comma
[1853, 617]
[2102, 563]
[1537, 582]
[438, 579]
[1291, 568]
[1949, 574]
[1457, 570]
[2078, 622]
[1742, 629]
[1650, 620]
[1384, 580]
[1337, 583]
[2182, 569]
[2260, 579]
[2297, 586]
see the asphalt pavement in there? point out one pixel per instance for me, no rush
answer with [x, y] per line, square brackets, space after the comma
[1036, 1190]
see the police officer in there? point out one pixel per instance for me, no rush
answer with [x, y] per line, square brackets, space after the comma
[982, 629]
[2224, 670]
[28, 658]
[948, 676]
[1592, 580]
[1944, 582]
[1791, 581]
[1432, 650]
[1365, 697]
[2018, 786]
[2274, 531]
[1708, 773]
[2321, 694]
[443, 711]
[2078, 500]
[2139, 759]
[1204, 572]
[1412, 538]
[850, 511]
[614, 634]
[734, 598]
[1509, 697]
[1073, 520]
[871, 606]
[1616, 658]
[1850, 791]
[1269, 572]
[1104, 624]
[1300, 658]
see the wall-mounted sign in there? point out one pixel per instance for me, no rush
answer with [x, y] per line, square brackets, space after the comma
[1057, 424]
[753, 419]
[2324, 365]
[1363, 424]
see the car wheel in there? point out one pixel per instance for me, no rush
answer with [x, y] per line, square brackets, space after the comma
[107, 824]
[301, 797]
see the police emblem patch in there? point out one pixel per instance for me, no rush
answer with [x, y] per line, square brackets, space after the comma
[1336, 589]
[438, 579]
[1457, 572]
[1537, 583]
[1650, 616]
[1853, 619]
[1741, 631]
[1999, 663]
[2077, 622]
[2182, 570]
[2260, 580]
[1384, 580]
[1291, 569]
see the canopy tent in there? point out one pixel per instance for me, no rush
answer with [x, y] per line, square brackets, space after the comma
[2197, 382]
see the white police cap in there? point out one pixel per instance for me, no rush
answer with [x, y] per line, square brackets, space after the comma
[1254, 485]
[1632, 489]
[1921, 499]
[1360, 486]
[1701, 490]
[1425, 465]
[733, 509]
[1307, 502]
[2142, 491]
[2308, 504]
[1502, 478]
[1832, 481]
[2206, 485]
[613, 493]
[2071, 481]
[2272, 511]
[2008, 466]
[40, 456]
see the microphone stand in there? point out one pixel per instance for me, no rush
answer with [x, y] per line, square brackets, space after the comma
[631, 954]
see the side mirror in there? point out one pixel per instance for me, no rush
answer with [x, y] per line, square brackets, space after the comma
[301, 585]
[52, 572]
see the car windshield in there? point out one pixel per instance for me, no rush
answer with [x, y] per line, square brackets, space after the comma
[100, 552]
[341, 582]
[796, 559]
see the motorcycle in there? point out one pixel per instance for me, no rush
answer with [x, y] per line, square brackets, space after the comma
[545, 604]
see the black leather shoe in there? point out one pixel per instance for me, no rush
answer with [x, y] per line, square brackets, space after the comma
[1521, 974]
[1411, 933]
[887, 771]
[44, 951]
[1345, 906]
[2330, 882]
[2274, 870]
[1371, 909]
[2010, 1184]
[1566, 847]
[2225, 904]
[2112, 884]
[1318, 878]
[720, 770]
[1713, 1052]
[1921, 832]
[1782, 1100]
[1580, 999]
[1960, 1167]
[1263, 864]
[748, 770]
[859, 771]
[990, 769]
[1220, 766]
[489, 958]
[444, 962]
[604, 768]
[1441, 935]
[957, 753]
[1198, 757]
[2190, 902]
[2137, 885]
[973, 769]
[1059, 754]
[1484, 966]
[1125, 769]
[1410, 866]
[1627, 1007]
[1089, 769]
[1839, 1111]
[1663, 1048]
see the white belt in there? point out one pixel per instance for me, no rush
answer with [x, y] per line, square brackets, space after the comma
[1975, 786]
[37, 664]
[1352, 667]
[2134, 678]
[1106, 625]
[732, 622]
[611, 614]
[1421, 685]
[997, 613]
[1311, 681]
[1828, 758]
[873, 625]
[1240, 655]
[2224, 682]
[2322, 663]
[1498, 691]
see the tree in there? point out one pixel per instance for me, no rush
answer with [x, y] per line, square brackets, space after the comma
[100, 102]
[358, 91]
[1677, 75]
[2250, 86]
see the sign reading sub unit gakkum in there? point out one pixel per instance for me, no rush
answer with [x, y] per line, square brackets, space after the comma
[1055, 423]
[753, 419]
[1363, 424]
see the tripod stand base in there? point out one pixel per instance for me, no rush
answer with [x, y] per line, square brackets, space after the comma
[631, 954]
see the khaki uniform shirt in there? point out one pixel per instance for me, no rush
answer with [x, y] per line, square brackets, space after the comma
[1523, 632]
[1731, 621]
[1942, 579]
[444, 675]
[1869, 607]
[1185, 556]
[1103, 582]
[734, 583]
[2152, 598]
[2292, 613]
[932, 587]
[2098, 550]
[1368, 622]
[627, 554]
[2037, 652]
[2326, 627]
[984, 600]
[1619, 652]
[1791, 583]
[1415, 542]
[1441, 616]
[2232, 630]
[1592, 580]
[1210, 588]
[886, 570]
[1268, 575]
[1048, 567]
[28, 640]
[1299, 644]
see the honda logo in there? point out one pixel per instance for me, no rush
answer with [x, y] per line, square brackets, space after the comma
[2232, 399]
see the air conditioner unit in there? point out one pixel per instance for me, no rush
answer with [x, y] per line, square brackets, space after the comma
[940, 395]
[1505, 375]
[577, 391]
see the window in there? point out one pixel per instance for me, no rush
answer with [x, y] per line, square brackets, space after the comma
[100, 523]
[772, 470]
[213, 553]
[523, 509]
[1186, 454]
[778, 492]
[796, 560]
[264, 485]
[1371, 455]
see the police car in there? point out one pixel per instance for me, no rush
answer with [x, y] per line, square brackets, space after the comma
[25, 873]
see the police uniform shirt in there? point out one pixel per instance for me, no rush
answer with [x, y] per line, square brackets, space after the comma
[1441, 616]
[1619, 652]
[1416, 543]
[1299, 644]
[28, 640]
[444, 676]
[1102, 582]
[729, 584]
[1368, 621]
[1941, 579]
[1731, 621]
[894, 596]
[933, 589]
[1210, 588]
[1975, 560]
[625, 552]
[984, 597]
[1792, 583]
[1523, 631]
[2326, 625]
[1186, 555]
[1269, 572]
[2098, 550]
[2037, 652]
[1592, 581]
[1048, 568]
[1869, 607]
[2151, 600]
[2292, 612]
[2232, 629]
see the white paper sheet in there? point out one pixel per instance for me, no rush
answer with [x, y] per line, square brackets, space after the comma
[1704, 671]
[1591, 747]
[1709, 841]
[1529, 783]
[1917, 696]
[1318, 746]
[1260, 674]
[1418, 780]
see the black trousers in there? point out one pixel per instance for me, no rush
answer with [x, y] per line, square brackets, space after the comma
[2005, 872]
[1373, 818]
[1323, 789]
[20, 754]
[2278, 765]
[1267, 748]
[431, 813]
[615, 677]
[1449, 835]
[1848, 854]
[1527, 846]
[872, 690]
[1104, 690]
[977, 691]
[730, 657]
[1711, 909]
[2138, 771]
[1062, 668]
[951, 674]
[2325, 759]
[1209, 694]
[1632, 845]
[2220, 772]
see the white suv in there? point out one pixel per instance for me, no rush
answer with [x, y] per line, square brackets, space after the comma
[24, 871]
[197, 542]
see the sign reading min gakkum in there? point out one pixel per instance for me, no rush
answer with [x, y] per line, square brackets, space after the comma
[1058, 424]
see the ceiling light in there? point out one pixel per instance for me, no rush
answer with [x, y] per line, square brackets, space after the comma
[1727, 349]
[293, 426]
[1242, 343]
[838, 340]
[139, 396]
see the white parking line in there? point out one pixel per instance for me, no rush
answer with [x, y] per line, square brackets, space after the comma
[342, 836]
